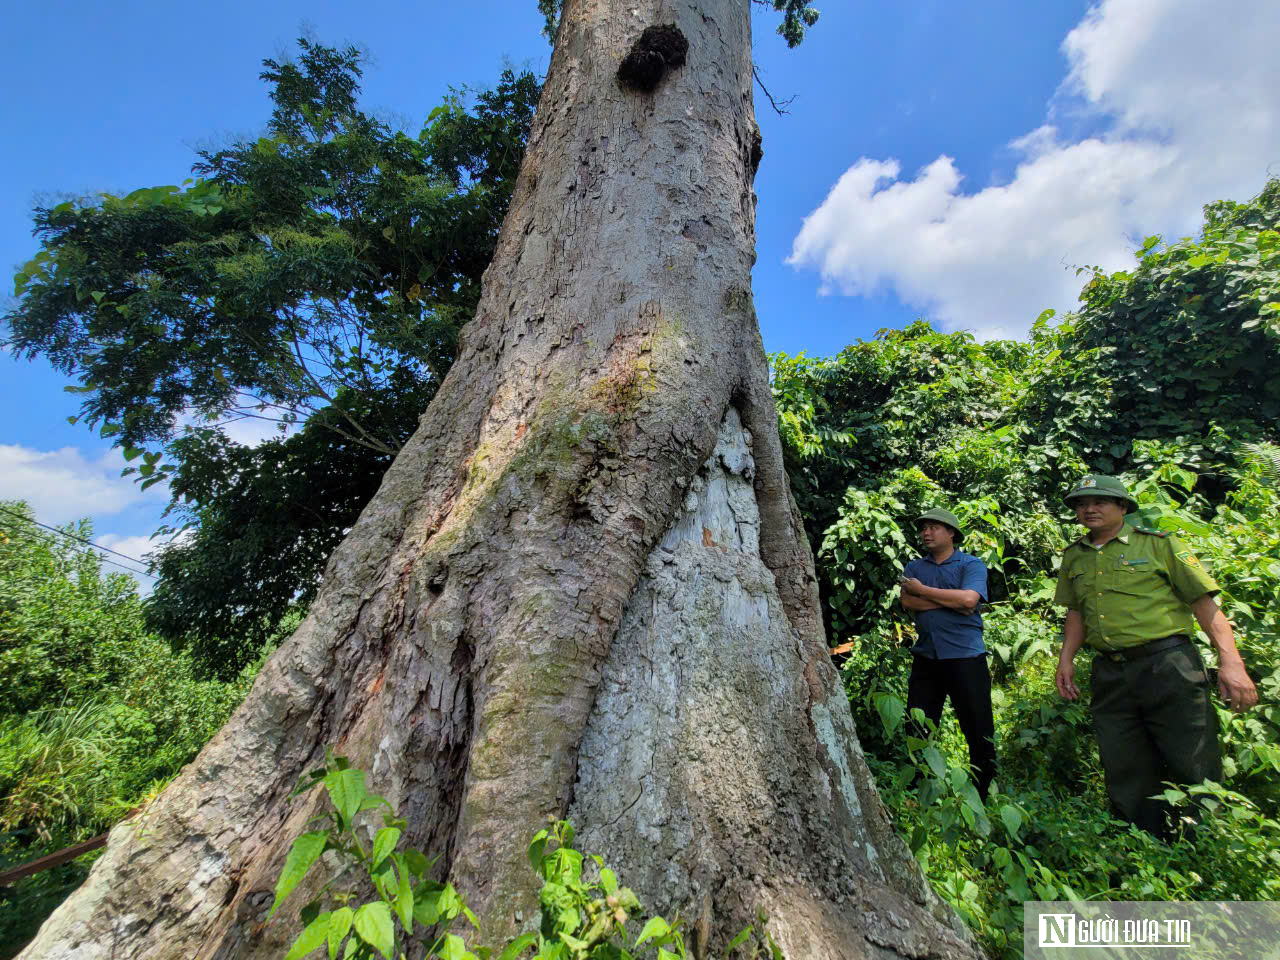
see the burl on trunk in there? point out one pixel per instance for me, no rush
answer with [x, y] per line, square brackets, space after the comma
[582, 589]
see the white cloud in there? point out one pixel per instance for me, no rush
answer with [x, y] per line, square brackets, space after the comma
[63, 485]
[1188, 93]
[250, 431]
[135, 548]
[138, 547]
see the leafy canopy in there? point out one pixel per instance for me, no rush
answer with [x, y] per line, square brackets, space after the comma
[329, 259]
[316, 276]
[1163, 375]
[797, 16]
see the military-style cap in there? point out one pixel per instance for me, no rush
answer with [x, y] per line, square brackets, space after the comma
[1096, 485]
[947, 517]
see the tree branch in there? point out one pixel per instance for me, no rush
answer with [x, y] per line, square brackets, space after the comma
[779, 107]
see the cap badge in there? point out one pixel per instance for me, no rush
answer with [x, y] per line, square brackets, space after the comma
[1089, 482]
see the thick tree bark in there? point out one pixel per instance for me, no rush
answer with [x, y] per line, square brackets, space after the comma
[583, 587]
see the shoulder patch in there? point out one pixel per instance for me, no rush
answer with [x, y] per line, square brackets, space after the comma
[1162, 534]
[1187, 557]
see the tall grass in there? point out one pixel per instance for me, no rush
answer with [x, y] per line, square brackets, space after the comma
[55, 772]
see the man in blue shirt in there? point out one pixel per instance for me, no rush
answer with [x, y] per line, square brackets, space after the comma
[945, 589]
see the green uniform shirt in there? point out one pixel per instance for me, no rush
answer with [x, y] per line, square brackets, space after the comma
[1133, 589]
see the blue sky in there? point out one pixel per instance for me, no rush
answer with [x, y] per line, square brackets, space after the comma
[952, 160]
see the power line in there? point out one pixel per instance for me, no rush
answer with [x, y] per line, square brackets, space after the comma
[72, 536]
[33, 537]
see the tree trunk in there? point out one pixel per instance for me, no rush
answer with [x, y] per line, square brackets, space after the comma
[582, 588]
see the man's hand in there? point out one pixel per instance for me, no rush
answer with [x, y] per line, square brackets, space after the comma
[1236, 689]
[914, 592]
[1066, 679]
[1072, 641]
[1234, 685]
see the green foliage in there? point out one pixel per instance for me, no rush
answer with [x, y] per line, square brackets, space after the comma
[1163, 377]
[584, 910]
[97, 713]
[1185, 341]
[797, 16]
[334, 258]
[260, 523]
[318, 274]
[889, 428]
[65, 630]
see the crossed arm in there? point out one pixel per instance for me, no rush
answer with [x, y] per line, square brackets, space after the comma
[916, 596]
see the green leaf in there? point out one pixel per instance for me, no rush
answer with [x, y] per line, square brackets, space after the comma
[536, 847]
[936, 763]
[1012, 818]
[450, 903]
[404, 900]
[573, 943]
[373, 925]
[426, 907]
[384, 843]
[608, 880]
[417, 863]
[741, 938]
[311, 938]
[339, 927]
[454, 948]
[891, 710]
[518, 946]
[656, 927]
[304, 852]
[347, 791]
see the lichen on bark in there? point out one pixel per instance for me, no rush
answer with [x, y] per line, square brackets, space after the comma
[466, 645]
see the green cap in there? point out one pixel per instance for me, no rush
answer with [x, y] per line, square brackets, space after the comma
[947, 517]
[1096, 485]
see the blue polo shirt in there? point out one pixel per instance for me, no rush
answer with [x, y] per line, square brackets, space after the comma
[948, 634]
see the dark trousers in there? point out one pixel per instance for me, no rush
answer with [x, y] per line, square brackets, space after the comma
[967, 681]
[1154, 722]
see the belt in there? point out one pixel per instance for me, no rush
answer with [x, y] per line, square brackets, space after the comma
[1146, 649]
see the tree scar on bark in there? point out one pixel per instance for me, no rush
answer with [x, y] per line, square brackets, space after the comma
[660, 48]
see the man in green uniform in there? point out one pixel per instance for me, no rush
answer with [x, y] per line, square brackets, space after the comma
[1131, 594]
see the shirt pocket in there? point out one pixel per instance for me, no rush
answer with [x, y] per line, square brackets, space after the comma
[1135, 579]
